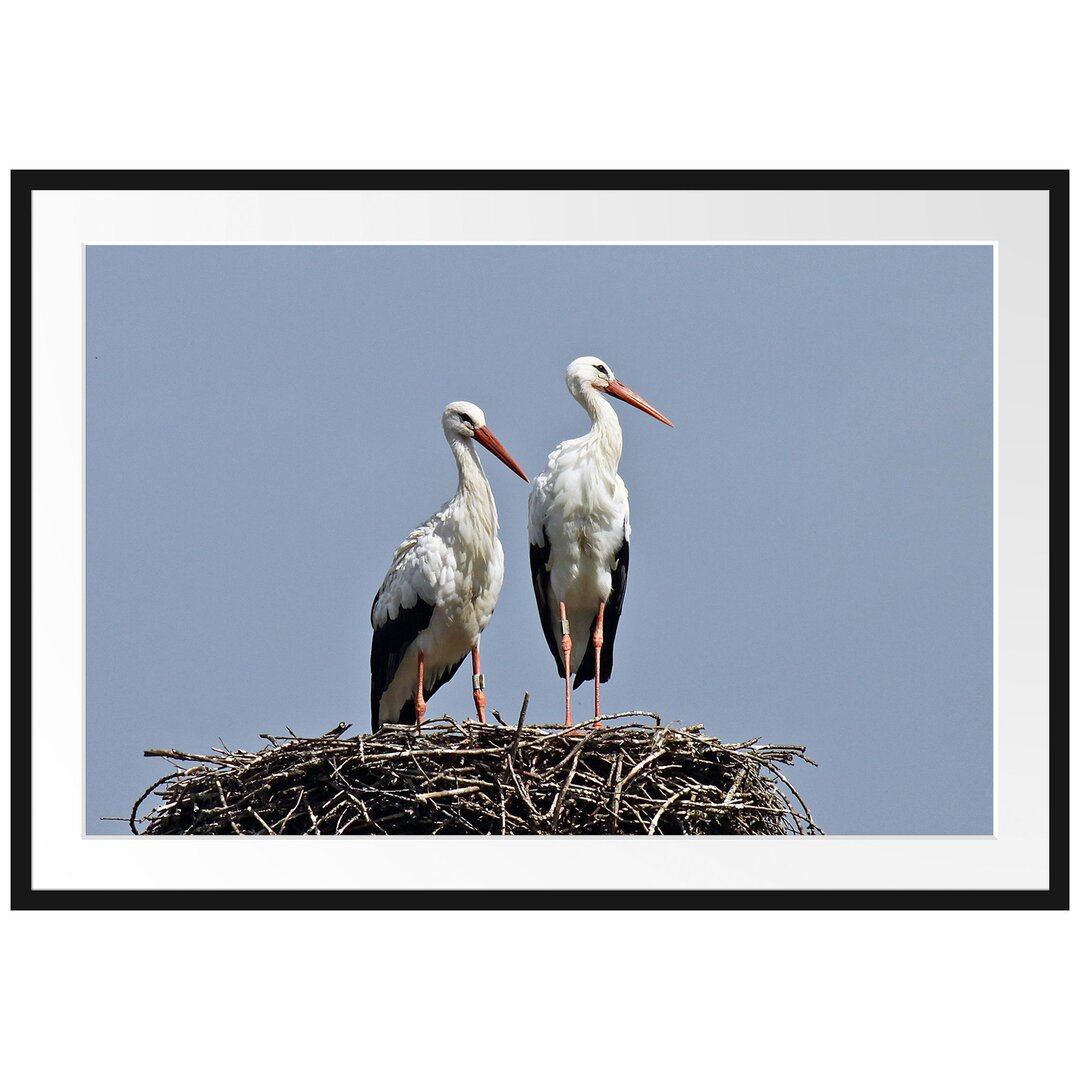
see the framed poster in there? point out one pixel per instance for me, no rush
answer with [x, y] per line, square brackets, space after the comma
[232, 385]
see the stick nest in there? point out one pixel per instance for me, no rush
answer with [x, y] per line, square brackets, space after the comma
[458, 778]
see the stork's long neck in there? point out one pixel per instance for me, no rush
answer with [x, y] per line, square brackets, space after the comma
[605, 432]
[473, 490]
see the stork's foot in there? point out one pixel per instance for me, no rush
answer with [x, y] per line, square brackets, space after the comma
[479, 698]
[583, 728]
[480, 701]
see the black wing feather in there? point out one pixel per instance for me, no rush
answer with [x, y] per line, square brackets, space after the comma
[389, 644]
[612, 611]
[538, 561]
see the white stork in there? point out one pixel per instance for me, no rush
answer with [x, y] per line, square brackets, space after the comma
[579, 532]
[442, 585]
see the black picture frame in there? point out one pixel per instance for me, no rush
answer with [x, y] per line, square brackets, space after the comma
[24, 183]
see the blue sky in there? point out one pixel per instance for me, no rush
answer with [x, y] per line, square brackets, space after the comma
[813, 542]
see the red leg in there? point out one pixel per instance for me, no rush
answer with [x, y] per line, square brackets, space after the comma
[598, 643]
[478, 686]
[421, 705]
[566, 645]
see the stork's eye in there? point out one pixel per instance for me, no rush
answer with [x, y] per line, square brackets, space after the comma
[600, 367]
[464, 419]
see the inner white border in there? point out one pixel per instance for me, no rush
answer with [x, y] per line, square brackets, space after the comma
[1016, 857]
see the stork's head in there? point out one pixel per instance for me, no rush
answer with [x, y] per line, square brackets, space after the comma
[589, 373]
[464, 420]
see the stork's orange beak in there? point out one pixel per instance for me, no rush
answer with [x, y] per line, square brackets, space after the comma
[624, 393]
[489, 442]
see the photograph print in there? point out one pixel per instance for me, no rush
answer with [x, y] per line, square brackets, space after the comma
[359, 523]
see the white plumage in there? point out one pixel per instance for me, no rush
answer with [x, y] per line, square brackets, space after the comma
[442, 586]
[579, 506]
[579, 532]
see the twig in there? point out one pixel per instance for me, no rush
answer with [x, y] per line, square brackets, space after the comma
[520, 723]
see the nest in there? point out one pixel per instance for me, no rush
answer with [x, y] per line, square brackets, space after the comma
[454, 778]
